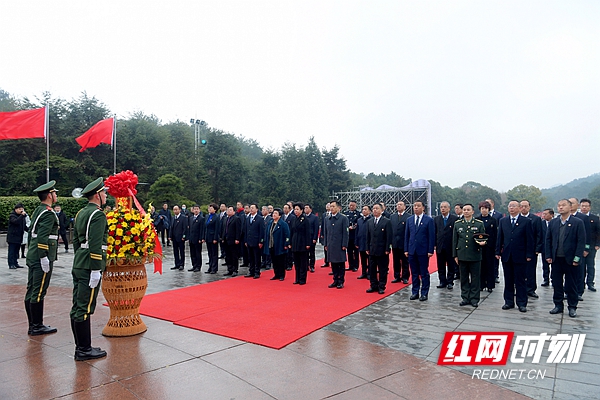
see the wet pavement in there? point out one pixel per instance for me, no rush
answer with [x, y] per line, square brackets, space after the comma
[388, 350]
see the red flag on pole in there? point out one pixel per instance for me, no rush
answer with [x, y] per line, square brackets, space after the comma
[102, 132]
[25, 124]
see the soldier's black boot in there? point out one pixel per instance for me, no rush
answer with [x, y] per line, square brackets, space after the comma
[28, 311]
[84, 350]
[37, 318]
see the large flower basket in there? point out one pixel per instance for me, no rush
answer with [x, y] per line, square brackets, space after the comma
[132, 242]
[124, 286]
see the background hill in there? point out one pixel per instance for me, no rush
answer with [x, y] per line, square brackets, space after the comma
[576, 188]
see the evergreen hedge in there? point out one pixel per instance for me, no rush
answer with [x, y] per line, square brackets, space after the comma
[70, 206]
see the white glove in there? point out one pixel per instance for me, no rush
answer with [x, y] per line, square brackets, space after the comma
[45, 264]
[94, 278]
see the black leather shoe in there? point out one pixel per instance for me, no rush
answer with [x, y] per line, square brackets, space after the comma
[281, 279]
[572, 312]
[302, 283]
[364, 277]
[523, 309]
[423, 298]
[331, 286]
[249, 276]
[441, 286]
[507, 307]
[175, 268]
[579, 298]
[545, 283]
[340, 286]
[464, 303]
[381, 291]
[312, 269]
[450, 286]
[12, 267]
[405, 281]
[395, 281]
[591, 288]
[89, 354]
[288, 269]
[274, 278]
[534, 295]
[192, 270]
[556, 310]
[475, 305]
[181, 268]
[497, 280]
[490, 290]
[354, 269]
[256, 276]
[296, 282]
[371, 290]
[19, 266]
[331, 273]
[41, 329]
[414, 297]
[233, 274]
[325, 265]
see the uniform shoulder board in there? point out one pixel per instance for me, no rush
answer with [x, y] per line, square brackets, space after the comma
[478, 220]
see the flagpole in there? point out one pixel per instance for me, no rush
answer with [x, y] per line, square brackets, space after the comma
[47, 136]
[115, 144]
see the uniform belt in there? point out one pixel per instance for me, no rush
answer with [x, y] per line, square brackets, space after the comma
[55, 237]
[86, 246]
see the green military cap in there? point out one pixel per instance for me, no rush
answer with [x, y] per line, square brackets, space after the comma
[481, 237]
[94, 187]
[46, 187]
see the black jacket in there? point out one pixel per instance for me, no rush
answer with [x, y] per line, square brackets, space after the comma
[16, 227]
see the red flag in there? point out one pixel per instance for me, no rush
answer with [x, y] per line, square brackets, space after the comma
[102, 132]
[25, 124]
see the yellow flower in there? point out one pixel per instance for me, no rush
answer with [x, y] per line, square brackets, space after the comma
[119, 232]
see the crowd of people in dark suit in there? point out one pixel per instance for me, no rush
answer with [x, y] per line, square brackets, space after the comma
[468, 248]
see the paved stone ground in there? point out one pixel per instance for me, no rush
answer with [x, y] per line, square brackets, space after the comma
[387, 350]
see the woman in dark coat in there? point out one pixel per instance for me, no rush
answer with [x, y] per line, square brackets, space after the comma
[301, 243]
[277, 241]
[488, 275]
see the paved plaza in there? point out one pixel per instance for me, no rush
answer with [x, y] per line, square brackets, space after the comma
[388, 350]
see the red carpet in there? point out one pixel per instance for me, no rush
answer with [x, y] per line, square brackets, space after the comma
[265, 312]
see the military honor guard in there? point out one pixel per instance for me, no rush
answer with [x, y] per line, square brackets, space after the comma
[41, 254]
[468, 239]
[89, 243]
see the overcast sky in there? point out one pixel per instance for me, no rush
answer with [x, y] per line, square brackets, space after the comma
[498, 92]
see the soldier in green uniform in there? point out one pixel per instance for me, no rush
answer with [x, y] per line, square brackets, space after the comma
[41, 253]
[89, 244]
[467, 250]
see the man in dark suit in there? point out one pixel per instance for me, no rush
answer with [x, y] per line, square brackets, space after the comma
[231, 233]
[398, 220]
[588, 240]
[197, 227]
[325, 215]
[547, 216]
[444, 226]
[314, 235]
[360, 241]
[565, 244]
[536, 224]
[379, 243]
[212, 238]
[458, 210]
[178, 234]
[164, 224]
[222, 216]
[288, 217]
[590, 260]
[14, 236]
[266, 258]
[254, 236]
[498, 216]
[515, 246]
[336, 242]
[419, 242]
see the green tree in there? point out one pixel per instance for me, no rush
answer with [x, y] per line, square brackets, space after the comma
[530, 193]
[167, 188]
[339, 175]
[294, 167]
[318, 176]
[475, 192]
[594, 196]
[271, 183]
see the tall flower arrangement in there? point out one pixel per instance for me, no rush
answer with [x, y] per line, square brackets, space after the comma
[131, 235]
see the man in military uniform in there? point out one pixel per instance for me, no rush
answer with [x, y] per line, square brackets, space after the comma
[41, 253]
[89, 243]
[353, 217]
[468, 240]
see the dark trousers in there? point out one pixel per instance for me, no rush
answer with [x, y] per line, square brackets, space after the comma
[289, 260]
[13, 254]
[352, 255]
[401, 268]
[311, 256]
[37, 282]
[196, 255]
[545, 269]
[179, 253]
[213, 256]
[590, 267]
[84, 297]
[243, 253]
[232, 257]
[514, 283]
[469, 280]
[364, 263]
[339, 272]
[254, 253]
[564, 278]
[325, 259]
[378, 270]
[164, 232]
[301, 265]
[223, 249]
[279, 265]
[488, 271]
[65, 238]
[266, 261]
[531, 275]
[419, 268]
[446, 266]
